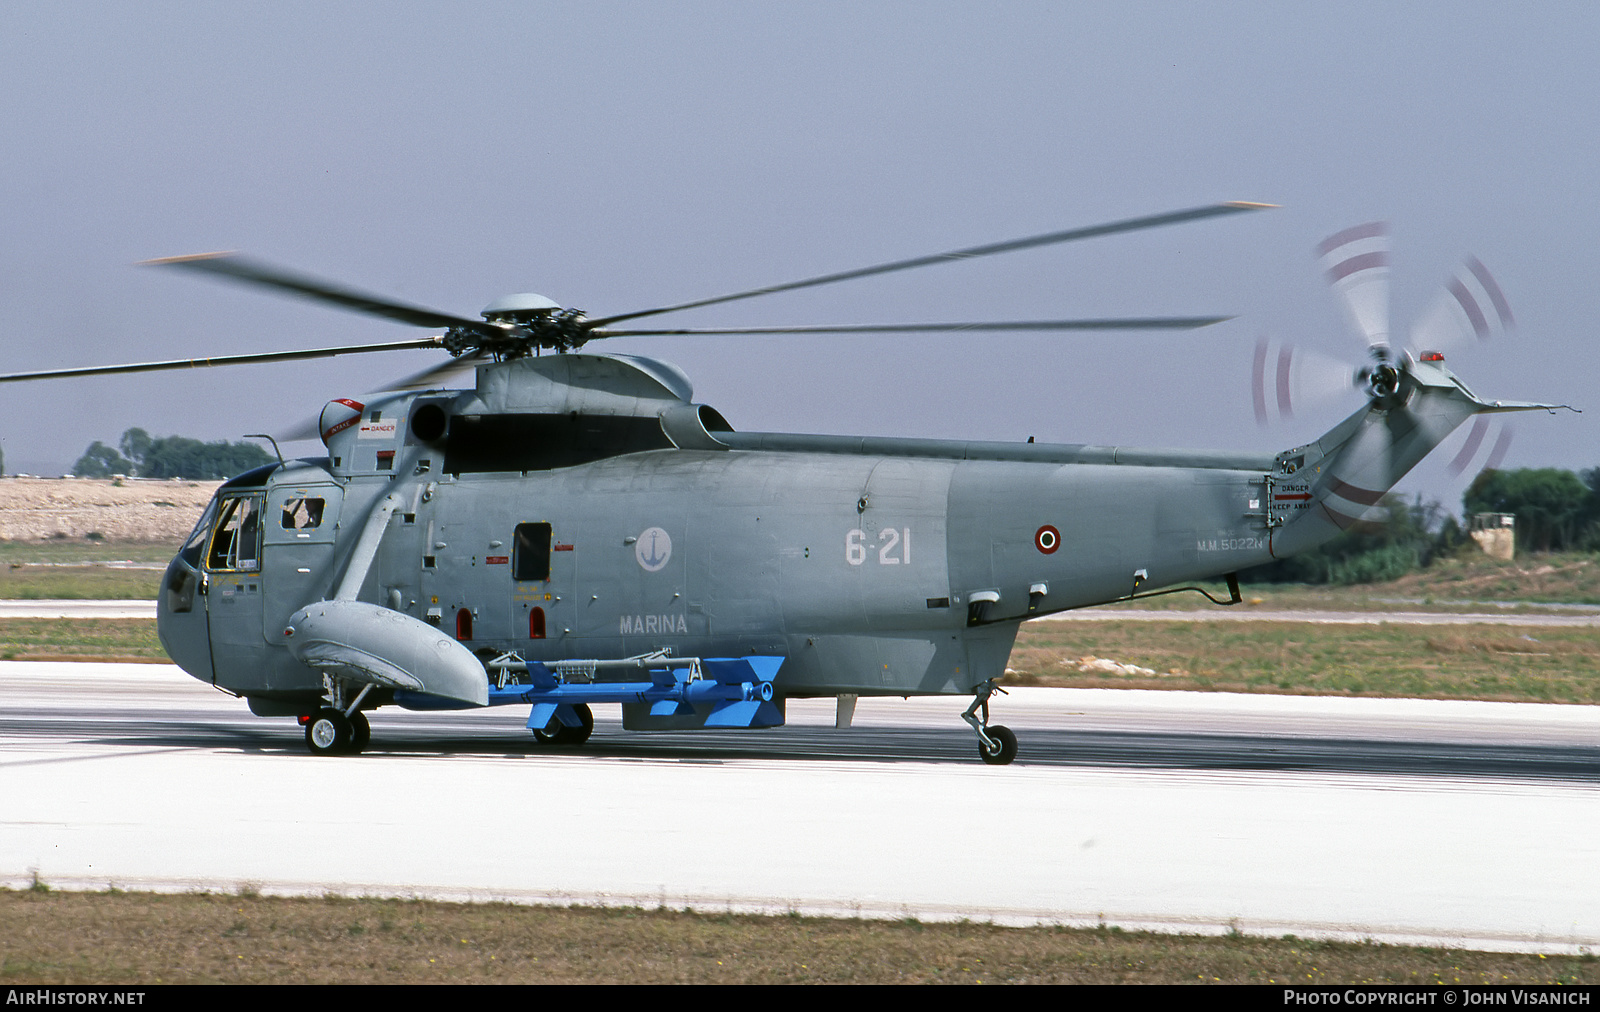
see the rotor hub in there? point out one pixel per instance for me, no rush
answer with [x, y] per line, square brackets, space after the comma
[1384, 382]
[517, 326]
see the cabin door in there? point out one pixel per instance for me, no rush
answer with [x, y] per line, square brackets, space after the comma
[298, 528]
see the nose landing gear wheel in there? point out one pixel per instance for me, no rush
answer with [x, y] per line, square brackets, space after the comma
[561, 735]
[1006, 741]
[328, 732]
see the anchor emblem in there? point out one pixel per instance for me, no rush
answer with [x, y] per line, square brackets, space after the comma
[653, 549]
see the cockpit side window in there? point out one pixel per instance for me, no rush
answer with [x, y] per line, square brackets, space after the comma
[236, 545]
[303, 514]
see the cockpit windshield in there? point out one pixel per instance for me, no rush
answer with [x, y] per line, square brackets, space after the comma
[195, 543]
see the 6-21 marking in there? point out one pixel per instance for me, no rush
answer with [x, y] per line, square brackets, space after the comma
[894, 547]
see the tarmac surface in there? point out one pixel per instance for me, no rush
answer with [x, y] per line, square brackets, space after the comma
[1461, 823]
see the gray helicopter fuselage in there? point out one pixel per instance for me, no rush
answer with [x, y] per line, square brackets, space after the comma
[872, 566]
[577, 530]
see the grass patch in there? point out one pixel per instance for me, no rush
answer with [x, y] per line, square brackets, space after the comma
[1562, 577]
[76, 569]
[1464, 582]
[72, 550]
[88, 583]
[208, 938]
[1534, 664]
[77, 639]
[1525, 664]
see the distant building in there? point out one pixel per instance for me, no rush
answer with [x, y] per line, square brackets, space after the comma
[1495, 533]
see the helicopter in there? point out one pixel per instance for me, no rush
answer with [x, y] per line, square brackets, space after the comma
[575, 530]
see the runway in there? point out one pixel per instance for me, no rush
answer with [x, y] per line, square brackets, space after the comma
[1455, 823]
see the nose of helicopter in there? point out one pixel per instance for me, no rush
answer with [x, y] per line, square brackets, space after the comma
[181, 619]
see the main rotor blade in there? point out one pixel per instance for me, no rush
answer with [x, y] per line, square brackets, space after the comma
[201, 363]
[434, 377]
[1127, 323]
[971, 252]
[251, 272]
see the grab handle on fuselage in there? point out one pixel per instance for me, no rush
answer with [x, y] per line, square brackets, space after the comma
[366, 548]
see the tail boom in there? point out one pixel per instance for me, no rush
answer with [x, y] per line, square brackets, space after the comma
[1338, 481]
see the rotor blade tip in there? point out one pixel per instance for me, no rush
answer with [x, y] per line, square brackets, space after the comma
[1249, 205]
[187, 258]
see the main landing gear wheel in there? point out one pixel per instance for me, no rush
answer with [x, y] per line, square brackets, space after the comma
[997, 746]
[1005, 741]
[559, 734]
[329, 732]
[360, 732]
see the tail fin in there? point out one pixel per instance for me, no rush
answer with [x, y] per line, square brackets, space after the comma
[1322, 488]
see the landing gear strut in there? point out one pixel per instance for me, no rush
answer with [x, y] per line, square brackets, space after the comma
[997, 746]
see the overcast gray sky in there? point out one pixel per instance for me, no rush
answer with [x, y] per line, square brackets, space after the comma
[616, 156]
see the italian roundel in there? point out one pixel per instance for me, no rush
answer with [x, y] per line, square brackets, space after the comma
[1047, 539]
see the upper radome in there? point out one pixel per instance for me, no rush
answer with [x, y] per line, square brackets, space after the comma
[509, 306]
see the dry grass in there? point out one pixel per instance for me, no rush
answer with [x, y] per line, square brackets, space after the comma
[1567, 577]
[132, 510]
[134, 938]
[1528, 664]
[1468, 581]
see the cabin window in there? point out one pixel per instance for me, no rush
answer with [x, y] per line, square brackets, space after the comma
[536, 624]
[530, 552]
[237, 542]
[303, 514]
[464, 624]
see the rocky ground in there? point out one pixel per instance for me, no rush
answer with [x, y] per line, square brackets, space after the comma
[128, 509]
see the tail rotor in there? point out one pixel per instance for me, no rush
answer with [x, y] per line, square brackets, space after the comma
[1356, 261]
[1286, 376]
[1487, 442]
[1470, 308]
[1398, 429]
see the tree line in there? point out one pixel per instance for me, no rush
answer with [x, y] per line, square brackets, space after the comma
[1556, 511]
[138, 454]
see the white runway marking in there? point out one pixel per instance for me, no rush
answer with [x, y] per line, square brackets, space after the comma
[92, 793]
[77, 609]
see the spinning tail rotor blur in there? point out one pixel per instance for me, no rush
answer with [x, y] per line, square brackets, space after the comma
[1471, 308]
